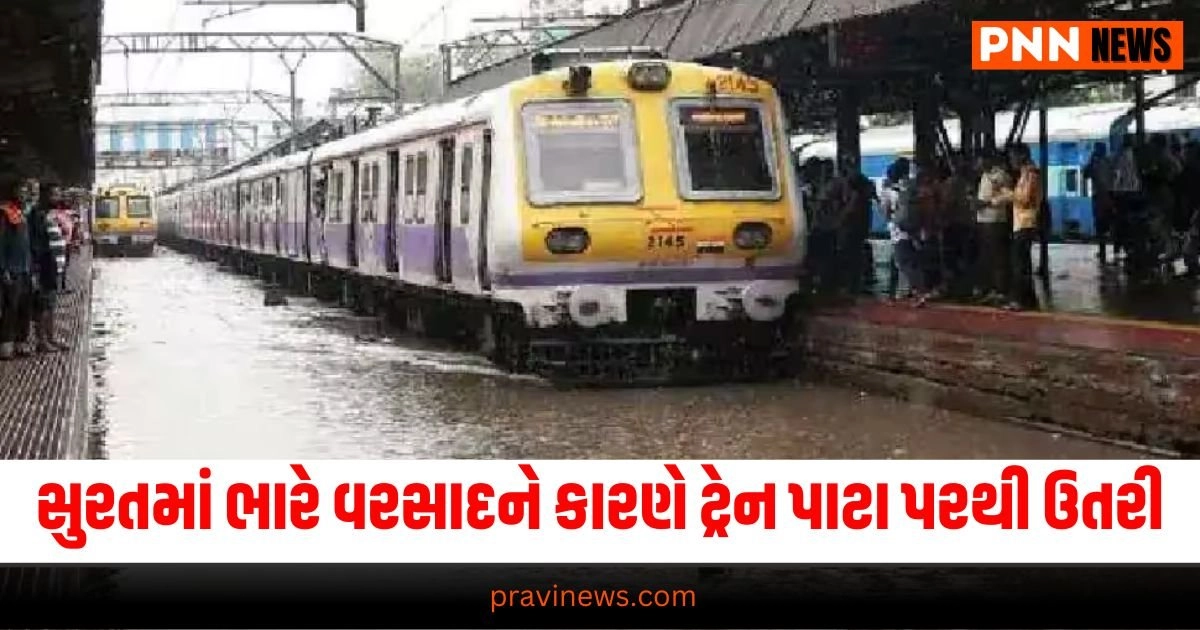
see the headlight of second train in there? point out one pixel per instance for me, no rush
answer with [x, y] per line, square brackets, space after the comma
[752, 236]
[568, 241]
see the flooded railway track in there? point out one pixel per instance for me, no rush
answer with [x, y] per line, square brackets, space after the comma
[189, 362]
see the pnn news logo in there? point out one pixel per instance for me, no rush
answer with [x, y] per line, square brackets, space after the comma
[1089, 45]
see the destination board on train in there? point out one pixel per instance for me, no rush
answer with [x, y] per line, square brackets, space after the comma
[722, 117]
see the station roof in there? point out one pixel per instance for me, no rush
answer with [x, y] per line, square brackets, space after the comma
[693, 30]
[49, 66]
[889, 49]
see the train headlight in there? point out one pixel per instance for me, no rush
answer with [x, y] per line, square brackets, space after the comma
[752, 236]
[579, 80]
[588, 307]
[568, 241]
[763, 302]
[649, 76]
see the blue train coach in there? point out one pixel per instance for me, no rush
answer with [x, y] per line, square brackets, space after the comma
[1073, 133]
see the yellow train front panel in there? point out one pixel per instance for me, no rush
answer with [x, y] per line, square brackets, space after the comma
[693, 173]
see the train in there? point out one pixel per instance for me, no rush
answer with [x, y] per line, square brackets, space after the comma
[1073, 133]
[635, 218]
[124, 221]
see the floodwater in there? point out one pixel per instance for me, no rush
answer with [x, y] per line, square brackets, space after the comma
[189, 363]
[1077, 283]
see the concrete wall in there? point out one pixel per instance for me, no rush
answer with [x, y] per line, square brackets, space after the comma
[1078, 379]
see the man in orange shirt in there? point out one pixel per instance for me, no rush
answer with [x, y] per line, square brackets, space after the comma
[1027, 203]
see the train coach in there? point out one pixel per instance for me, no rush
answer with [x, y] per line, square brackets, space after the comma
[636, 218]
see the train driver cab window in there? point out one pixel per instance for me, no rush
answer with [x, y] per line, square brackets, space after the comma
[107, 208]
[138, 208]
[724, 151]
[581, 153]
[410, 179]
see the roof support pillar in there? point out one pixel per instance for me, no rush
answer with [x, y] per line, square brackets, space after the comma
[926, 119]
[849, 147]
[1045, 218]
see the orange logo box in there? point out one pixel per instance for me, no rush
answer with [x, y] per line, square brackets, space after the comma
[1088, 45]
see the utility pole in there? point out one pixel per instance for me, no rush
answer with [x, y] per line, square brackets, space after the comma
[360, 15]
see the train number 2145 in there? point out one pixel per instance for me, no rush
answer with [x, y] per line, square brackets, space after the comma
[666, 241]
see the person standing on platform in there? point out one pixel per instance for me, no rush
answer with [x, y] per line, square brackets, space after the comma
[1189, 203]
[16, 267]
[1027, 205]
[856, 194]
[1127, 194]
[1099, 171]
[61, 212]
[959, 227]
[992, 262]
[49, 250]
[904, 223]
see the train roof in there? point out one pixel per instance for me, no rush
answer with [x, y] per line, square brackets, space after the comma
[1083, 122]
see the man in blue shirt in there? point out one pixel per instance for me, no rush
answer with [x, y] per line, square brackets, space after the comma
[17, 201]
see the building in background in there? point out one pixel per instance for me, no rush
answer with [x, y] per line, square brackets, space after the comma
[158, 153]
[552, 9]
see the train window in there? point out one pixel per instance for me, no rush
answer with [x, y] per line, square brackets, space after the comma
[422, 185]
[581, 153]
[1071, 181]
[139, 208]
[107, 208]
[374, 192]
[336, 196]
[363, 193]
[410, 178]
[466, 174]
[724, 152]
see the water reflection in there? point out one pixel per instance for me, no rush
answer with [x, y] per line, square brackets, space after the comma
[189, 363]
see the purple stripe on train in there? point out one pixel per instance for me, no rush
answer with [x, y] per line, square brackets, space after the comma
[648, 275]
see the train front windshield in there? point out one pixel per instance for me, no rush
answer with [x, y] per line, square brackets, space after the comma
[725, 149]
[581, 152]
[108, 208]
[139, 208]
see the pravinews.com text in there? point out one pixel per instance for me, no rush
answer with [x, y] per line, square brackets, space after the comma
[556, 597]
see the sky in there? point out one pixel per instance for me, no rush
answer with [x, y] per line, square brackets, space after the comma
[393, 20]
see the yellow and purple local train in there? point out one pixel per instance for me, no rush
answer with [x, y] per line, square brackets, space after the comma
[621, 210]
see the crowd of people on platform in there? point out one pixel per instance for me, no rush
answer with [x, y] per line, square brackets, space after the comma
[39, 233]
[965, 231]
[1147, 204]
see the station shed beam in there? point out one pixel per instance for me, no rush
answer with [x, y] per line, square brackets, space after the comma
[180, 99]
[235, 7]
[483, 50]
[280, 43]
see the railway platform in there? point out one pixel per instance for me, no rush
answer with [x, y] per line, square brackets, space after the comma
[1108, 375]
[44, 402]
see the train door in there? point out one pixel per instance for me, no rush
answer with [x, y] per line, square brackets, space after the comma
[393, 194]
[444, 217]
[485, 199]
[355, 210]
